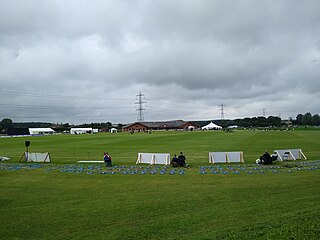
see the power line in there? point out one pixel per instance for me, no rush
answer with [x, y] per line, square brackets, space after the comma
[140, 110]
[48, 95]
[264, 112]
[50, 107]
[222, 111]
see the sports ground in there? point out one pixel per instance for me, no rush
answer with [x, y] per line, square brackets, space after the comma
[66, 200]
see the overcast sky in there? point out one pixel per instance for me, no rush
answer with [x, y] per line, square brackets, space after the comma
[81, 61]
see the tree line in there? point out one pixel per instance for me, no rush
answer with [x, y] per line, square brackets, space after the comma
[271, 121]
[7, 123]
[307, 119]
[247, 122]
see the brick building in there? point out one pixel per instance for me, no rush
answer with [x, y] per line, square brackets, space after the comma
[166, 125]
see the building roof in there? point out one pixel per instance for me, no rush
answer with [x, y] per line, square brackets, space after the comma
[162, 124]
[41, 129]
[211, 125]
[81, 129]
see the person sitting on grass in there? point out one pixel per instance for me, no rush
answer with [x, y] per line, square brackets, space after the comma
[175, 161]
[266, 158]
[107, 159]
[182, 161]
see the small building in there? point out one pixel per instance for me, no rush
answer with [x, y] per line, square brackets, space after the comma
[287, 123]
[166, 125]
[113, 130]
[81, 131]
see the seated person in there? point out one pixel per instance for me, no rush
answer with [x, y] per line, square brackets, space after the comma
[175, 161]
[266, 158]
[182, 160]
[107, 159]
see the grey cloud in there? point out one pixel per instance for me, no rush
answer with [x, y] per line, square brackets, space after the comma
[246, 54]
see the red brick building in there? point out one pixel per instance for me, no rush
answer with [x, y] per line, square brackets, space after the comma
[167, 125]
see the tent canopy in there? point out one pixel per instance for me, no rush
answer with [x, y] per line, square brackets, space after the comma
[211, 125]
[81, 130]
[113, 130]
[41, 131]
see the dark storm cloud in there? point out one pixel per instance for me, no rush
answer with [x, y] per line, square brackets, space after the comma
[87, 60]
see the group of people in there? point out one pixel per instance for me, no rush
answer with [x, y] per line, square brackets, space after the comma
[266, 158]
[179, 161]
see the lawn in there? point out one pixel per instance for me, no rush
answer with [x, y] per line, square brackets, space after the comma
[42, 204]
[124, 147]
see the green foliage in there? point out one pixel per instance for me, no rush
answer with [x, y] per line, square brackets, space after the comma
[271, 121]
[6, 123]
[316, 120]
[307, 119]
[32, 125]
[107, 125]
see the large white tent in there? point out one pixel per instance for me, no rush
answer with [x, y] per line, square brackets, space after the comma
[34, 131]
[211, 126]
[81, 130]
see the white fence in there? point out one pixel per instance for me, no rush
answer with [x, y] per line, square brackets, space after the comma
[290, 154]
[154, 158]
[226, 157]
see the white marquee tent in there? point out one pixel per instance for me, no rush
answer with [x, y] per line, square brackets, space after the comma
[81, 130]
[113, 130]
[211, 126]
[33, 131]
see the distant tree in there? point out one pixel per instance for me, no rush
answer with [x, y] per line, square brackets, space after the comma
[262, 122]
[316, 120]
[6, 123]
[247, 122]
[299, 119]
[274, 121]
[223, 123]
[31, 124]
[255, 122]
[307, 119]
[107, 125]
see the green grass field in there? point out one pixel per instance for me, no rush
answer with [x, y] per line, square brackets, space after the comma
[39, 204]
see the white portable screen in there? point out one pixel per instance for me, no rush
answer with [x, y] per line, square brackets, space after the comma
[37, 157]
[154, 158]
[290, 154]
[217, 157]
[225, 157]
[235, 157]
